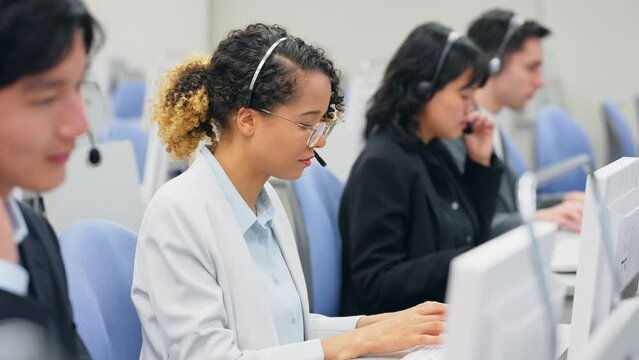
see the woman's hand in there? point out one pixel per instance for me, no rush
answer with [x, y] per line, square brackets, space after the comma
[422, 324]
[479, 144]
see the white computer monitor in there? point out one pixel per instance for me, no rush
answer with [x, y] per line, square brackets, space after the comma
[616, 338]
[497, 309]
[108, 191]
[594, 290]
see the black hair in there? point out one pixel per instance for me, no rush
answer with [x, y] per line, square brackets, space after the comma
[399, 99]
[200, 93]
[489, 29]
[35, 35]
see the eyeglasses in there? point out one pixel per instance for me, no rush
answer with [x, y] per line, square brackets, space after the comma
[322, 128]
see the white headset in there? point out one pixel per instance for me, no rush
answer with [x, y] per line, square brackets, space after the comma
[497, 62]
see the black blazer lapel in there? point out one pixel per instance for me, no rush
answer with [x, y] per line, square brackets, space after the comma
[41, 255]
[507, 200]
[43, 279]
[434, 202]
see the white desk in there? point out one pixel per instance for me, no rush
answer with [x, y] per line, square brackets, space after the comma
[565, 252]
[565, 257]
[563, 338]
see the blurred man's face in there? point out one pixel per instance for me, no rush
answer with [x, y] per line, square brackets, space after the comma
[521, 76]
[40, 117]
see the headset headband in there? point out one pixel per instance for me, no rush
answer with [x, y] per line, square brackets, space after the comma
[497, 61]
[450, 42]
[249, 98]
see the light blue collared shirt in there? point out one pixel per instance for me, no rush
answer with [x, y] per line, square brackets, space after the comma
[13, 277]
[283, 298]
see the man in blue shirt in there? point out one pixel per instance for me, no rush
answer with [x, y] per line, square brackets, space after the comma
[43, 59]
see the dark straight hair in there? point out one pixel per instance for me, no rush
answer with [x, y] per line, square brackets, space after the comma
[395, 105]
[488, 32]
[35, 35]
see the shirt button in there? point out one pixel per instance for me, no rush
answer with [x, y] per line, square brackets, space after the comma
[469, 238]
[261, 241]
[293, 321]
[454, 205]
[276, 281]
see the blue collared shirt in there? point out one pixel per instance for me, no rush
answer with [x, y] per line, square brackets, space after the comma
[283, 298]
[13, 277]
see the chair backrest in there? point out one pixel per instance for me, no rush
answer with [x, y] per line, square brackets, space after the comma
[620, 141]
[319, 193]
[122, 130]
[128, 100]
[98, 257]
[559, 137]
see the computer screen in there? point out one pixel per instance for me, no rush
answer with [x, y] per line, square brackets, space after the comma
[594, 288]
[497, 309]
[109, 190]
[616, 338]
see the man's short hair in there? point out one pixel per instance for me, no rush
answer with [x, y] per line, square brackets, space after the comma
[489, 30]
[35, 35]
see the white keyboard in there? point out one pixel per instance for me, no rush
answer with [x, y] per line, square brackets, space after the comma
[565, 255]
[435, 352]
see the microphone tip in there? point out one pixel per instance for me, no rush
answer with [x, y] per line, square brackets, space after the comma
[94, 156]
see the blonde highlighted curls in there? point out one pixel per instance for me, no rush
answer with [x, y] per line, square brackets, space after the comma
[182, 107]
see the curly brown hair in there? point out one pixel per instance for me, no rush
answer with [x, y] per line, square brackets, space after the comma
[199, 97]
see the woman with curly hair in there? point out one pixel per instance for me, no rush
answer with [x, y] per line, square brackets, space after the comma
[407, 209]
[217, 273]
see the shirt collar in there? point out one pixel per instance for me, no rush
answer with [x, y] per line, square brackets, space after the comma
[264, 209]
[243, 214]
[20, 230]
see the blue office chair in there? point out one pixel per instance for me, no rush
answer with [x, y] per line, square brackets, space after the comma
[515, 160]
[123, 130]
[559, 137]
[128, 100]
[620, 141]
[319, 193]
[98, 256]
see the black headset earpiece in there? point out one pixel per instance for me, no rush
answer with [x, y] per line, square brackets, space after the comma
[427, 88]
[496, 63]
[94, 154]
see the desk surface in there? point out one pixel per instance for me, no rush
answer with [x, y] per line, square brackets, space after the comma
[563, 338]
[565, 252]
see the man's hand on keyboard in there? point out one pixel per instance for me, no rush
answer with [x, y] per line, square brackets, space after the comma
[567, 214]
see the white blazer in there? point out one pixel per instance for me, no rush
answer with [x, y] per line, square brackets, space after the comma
[195, 288]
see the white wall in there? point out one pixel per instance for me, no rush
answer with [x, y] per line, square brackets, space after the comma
[591, 54]
[352, 31]
[595, 55]
[146, 33]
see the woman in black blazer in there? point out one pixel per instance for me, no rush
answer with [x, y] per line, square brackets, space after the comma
[406, 209]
